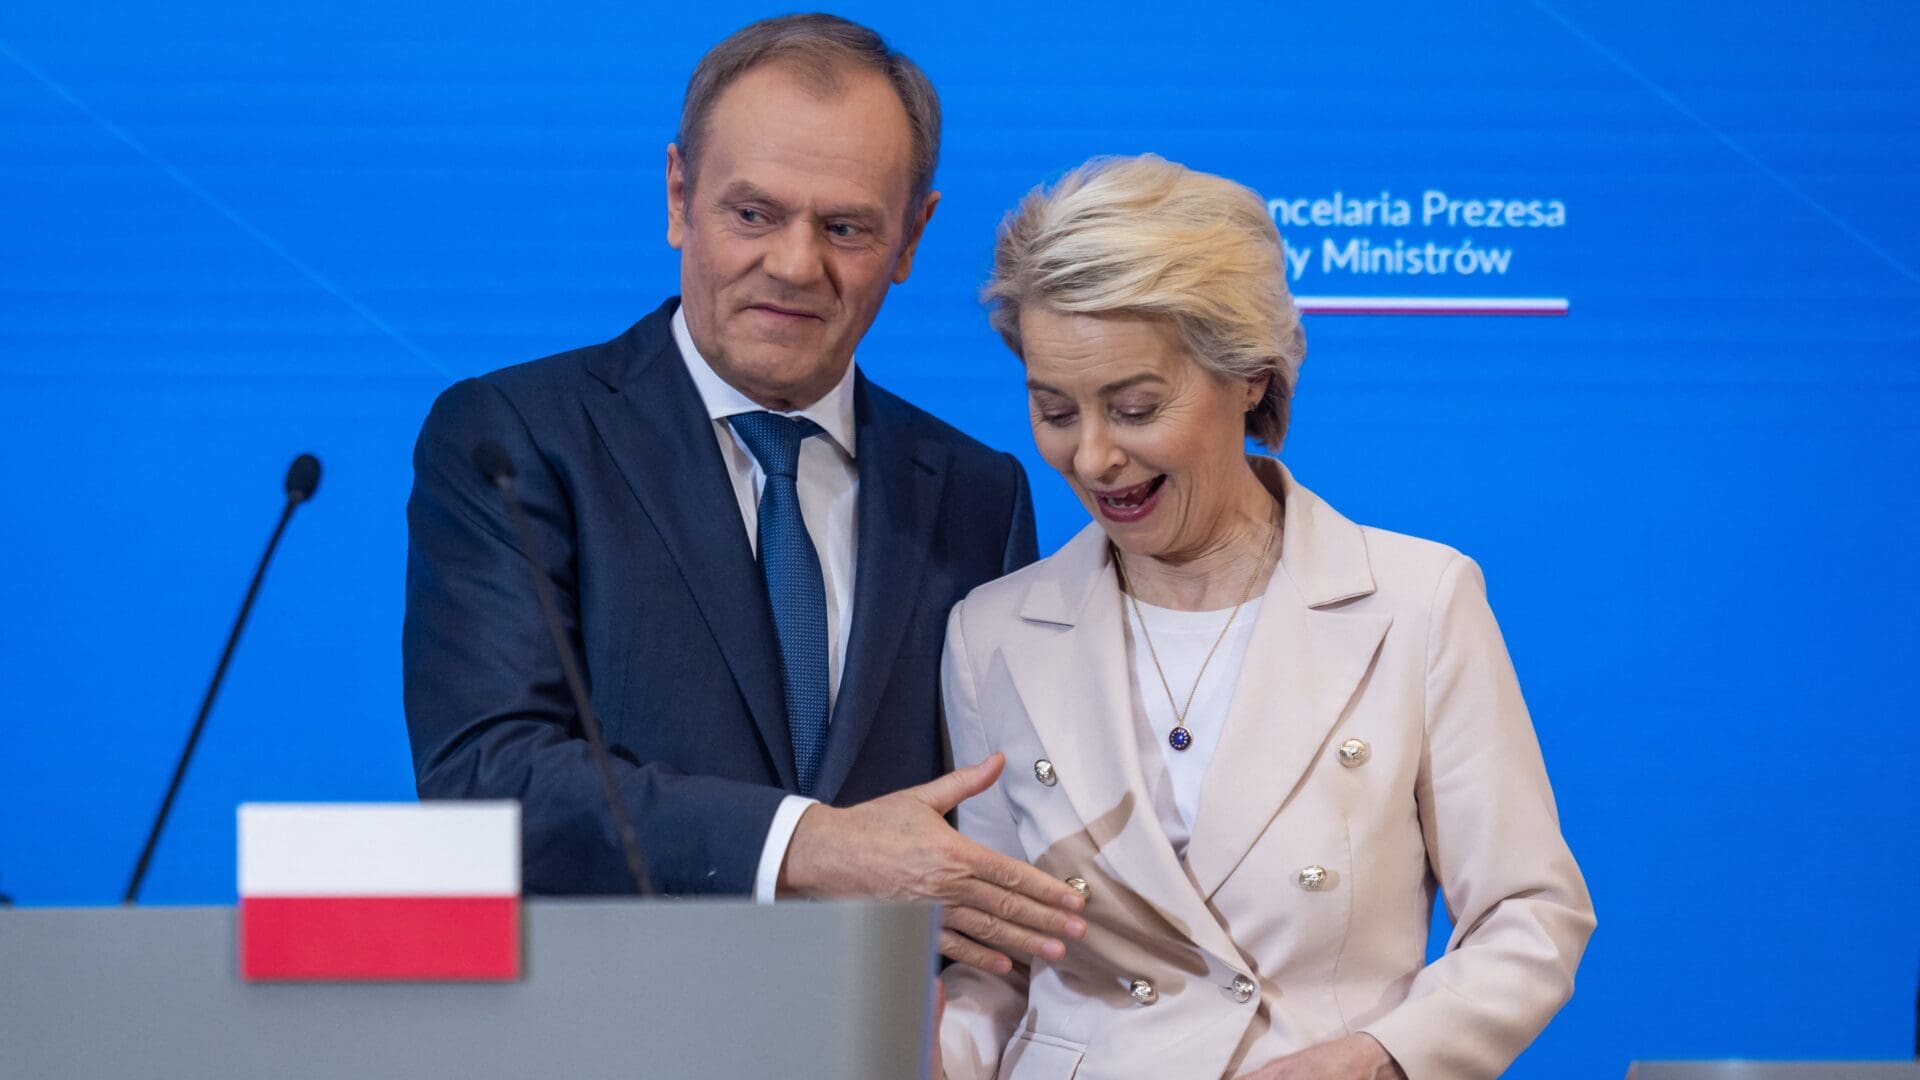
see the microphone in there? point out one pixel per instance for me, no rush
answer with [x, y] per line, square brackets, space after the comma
[303, 479]
[492, 461]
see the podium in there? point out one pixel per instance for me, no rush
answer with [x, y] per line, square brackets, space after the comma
[612, 988]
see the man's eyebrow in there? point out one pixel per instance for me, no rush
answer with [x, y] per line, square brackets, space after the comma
[746, 191]
[865, 216]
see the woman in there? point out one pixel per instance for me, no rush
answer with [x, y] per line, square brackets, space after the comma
[1253, 734]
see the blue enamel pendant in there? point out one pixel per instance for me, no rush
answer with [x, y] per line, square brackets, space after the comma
[1179, 738]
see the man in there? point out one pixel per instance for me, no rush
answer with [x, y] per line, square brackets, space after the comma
[755, 548]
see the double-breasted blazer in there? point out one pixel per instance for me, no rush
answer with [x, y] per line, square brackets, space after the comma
[1377, 747]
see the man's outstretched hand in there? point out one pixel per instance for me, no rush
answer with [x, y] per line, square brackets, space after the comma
[900, 847]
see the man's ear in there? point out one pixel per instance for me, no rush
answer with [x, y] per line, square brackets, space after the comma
[677, 193]
[915, 230]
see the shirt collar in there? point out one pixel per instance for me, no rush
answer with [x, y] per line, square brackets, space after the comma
[833, 412]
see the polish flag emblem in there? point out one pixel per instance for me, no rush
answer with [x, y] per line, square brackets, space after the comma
[380, 891]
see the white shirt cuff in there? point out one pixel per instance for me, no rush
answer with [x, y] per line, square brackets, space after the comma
[774, 855]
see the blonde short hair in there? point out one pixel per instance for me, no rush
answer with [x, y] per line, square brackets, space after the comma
[1147, 237]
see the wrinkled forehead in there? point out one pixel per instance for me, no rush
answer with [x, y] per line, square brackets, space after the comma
[803, 138]
[1088, 355]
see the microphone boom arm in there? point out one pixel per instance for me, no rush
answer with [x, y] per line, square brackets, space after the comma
[295, 496]
[500, 472]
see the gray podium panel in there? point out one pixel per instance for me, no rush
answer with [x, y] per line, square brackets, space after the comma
[1774, 1070]
[613, 988]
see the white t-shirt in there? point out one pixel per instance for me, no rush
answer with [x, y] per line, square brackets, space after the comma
[1182, 638]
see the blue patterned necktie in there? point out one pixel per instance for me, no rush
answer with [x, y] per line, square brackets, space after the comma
[794, 587]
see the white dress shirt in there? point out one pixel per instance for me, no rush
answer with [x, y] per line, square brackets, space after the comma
[829, 487]
[1182, 640]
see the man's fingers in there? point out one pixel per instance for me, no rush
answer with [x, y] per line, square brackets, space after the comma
[946, 792]
[989, 929]
[1015, 876]
[1011, 907]
[959, 949]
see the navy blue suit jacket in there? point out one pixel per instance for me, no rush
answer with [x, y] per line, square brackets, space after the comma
[639, 530]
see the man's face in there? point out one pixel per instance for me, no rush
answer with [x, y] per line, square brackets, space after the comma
[795, 228]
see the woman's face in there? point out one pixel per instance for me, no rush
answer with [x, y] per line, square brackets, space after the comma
[1150, 441]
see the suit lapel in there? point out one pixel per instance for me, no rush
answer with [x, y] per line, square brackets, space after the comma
[1074, 684]
[1302, 668]
[901, 482]
[655, 427]
[1304, 662]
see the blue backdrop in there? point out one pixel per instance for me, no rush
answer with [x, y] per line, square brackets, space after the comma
[234, 232]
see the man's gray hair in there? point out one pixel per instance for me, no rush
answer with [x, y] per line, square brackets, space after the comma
[820, 49]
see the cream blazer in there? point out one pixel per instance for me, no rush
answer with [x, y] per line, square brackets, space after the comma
[1301, 911]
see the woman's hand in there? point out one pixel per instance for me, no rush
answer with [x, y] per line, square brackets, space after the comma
[1357, 1057]
[936, 1070]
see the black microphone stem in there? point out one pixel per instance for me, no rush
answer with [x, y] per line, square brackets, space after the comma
[206, 705]
[589, 723]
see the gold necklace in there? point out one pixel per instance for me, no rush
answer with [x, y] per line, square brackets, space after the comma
[1180, 738]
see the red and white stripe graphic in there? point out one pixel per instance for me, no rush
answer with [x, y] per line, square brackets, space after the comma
[1431, 305]
[380, 891]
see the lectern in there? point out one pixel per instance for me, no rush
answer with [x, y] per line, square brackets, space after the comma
[612, 988]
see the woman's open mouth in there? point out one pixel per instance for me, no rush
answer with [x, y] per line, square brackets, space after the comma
[1130, 504]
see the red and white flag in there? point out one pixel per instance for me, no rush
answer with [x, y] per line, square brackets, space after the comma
[380, 891]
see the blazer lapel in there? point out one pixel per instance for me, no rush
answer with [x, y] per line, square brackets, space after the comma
[1074, 684]
[901, 482]
[1304, 662]
[652, 422]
